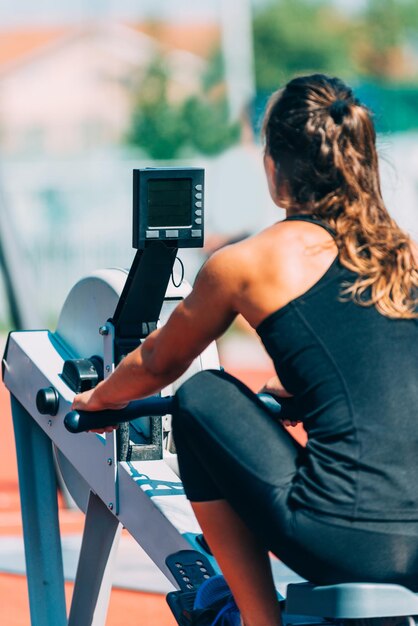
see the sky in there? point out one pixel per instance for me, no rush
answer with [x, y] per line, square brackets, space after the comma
[13, 12]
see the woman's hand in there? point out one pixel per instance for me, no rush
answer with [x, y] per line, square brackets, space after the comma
[275, 388]
[91, 401]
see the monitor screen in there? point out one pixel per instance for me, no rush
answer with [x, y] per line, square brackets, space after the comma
[169, 202]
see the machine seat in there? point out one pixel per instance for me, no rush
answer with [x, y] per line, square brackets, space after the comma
[351, 600]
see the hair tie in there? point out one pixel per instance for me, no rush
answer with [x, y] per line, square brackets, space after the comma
[338, 109]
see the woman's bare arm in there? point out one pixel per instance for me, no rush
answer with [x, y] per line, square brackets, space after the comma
[198, 320]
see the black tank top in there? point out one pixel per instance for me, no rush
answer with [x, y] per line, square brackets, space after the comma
[354, 376]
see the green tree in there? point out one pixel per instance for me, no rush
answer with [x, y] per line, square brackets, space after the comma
[385, 29]
[295, 36]
[199, 123]
[209, 128]
[157, 125]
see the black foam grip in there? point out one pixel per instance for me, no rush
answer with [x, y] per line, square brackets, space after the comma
[81, 421]
[271, 403]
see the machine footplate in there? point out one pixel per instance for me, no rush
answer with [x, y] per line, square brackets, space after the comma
[190, 569]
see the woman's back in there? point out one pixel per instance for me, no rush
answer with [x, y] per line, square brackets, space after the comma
[353, 374]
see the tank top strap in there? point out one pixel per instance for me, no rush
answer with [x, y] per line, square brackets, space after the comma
[313, 219]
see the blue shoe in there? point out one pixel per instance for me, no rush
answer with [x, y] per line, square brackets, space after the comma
[215, 603]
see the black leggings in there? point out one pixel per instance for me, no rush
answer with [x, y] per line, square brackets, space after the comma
[229, 447]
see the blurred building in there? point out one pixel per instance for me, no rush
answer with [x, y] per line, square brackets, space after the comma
[65, 90]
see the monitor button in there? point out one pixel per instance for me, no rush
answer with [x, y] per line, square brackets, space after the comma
[152, 234]
[198, 204]
[198, 220]
[198, 187]
[198, 196]
[196, 233]
[198, 212]
[172, 233]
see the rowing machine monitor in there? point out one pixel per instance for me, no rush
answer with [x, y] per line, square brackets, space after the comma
[168, 206]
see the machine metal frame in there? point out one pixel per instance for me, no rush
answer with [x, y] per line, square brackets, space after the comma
[146, 497]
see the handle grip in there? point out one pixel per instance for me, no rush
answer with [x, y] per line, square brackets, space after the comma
[81, 421]
[271, 403]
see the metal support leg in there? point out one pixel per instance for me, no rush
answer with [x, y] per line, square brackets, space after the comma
[93, 580]
[38, 497]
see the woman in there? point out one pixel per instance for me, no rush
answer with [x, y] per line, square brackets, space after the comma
[332, 292]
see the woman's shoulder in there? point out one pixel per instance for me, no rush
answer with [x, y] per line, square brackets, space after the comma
[279, 253]
[282, 232]
[285, 239]
[244, 253]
